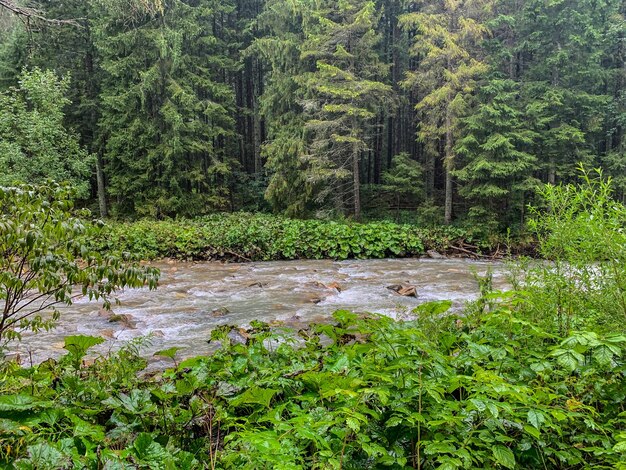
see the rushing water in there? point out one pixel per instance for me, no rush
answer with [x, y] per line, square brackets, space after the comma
[193, 298]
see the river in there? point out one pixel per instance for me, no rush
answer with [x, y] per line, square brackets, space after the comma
[194, 298]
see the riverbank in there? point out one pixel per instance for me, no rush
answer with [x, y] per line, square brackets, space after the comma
[242, 237]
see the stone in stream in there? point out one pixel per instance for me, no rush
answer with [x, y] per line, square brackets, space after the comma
[238, 336]
[108, 333]
[219, 312]
[435, 254]
[334, 285]
[316, 284]
[404, 290]
[319, 285]
[104, 313]
[124, 319]
[316, 298]
[258, 284]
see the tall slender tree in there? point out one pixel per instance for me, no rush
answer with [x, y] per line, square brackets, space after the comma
[449, 61]
[496, 167]
[342, 96]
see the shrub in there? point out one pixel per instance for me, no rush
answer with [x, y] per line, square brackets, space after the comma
[489, 391]
[582, 233]
[259, 237]
[43, 262]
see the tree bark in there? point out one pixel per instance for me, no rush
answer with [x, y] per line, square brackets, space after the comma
[356, 182]
[256, 92]
[552, 171]
[448, 167]
[102, 198]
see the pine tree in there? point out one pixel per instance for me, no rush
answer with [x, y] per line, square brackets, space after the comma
[497, 170]
[166, 113]
[614, 159]
[404, 181]
[449, 61]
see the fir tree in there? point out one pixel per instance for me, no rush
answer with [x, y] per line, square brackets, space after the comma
[497, 170]
[166, 113]
[561, 50]
[288, 191]
[449, 61]
[342, 95]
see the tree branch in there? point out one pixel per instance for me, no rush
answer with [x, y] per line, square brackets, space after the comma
[33, 14]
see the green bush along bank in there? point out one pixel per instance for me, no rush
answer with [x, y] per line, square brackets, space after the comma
[259, 237]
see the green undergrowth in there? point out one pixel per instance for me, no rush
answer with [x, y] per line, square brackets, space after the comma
[484, 390]
[261, 237]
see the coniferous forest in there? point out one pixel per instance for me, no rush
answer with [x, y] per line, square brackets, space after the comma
[443, 110]
[313, 234]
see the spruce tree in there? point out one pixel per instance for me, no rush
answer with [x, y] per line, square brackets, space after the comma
[342, 95]
[288, 191]
[561, 52]
[330, 93]
[166, 112]
[448, 62]
[497, 169]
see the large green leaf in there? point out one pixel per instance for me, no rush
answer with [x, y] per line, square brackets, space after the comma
[255, 395]
[536, 418]
[78, 345]
[504, 456]
[21, 403]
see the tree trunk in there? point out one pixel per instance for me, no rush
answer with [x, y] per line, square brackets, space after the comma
[102, 198]
[356, 181]
[448, 167]
[256, 92]
[552, 171]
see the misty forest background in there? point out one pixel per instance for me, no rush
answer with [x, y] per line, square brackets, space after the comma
[426, 111]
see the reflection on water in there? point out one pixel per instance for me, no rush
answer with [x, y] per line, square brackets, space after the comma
[193, 298]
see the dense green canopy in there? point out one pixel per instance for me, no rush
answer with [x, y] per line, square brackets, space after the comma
[301, 106]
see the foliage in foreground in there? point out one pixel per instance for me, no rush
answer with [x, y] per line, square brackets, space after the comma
[44, 262]
[582, 233]
[258, 237]
[457, 392]
[506, 384]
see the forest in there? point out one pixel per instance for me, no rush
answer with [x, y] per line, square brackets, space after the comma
[313, 234]
[429, 111]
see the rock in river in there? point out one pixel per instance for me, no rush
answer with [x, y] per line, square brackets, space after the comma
[435, 254]
[124, 319]
[219, 312]
[404, 290]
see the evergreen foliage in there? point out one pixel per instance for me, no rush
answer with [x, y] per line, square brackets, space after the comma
[498, 169]
[446, 45]
[194, 106]
[163, 111]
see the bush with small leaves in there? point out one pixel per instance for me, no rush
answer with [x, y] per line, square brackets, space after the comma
[44, 262]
